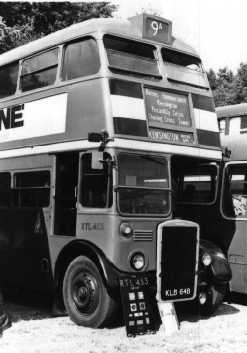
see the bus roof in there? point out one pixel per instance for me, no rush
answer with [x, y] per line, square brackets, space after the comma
[108, 25]
[231, 110]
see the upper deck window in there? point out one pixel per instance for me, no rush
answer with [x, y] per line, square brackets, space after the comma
[8, 79]
[39, 71]
[181, 59]
[131, 57]
[81, 58]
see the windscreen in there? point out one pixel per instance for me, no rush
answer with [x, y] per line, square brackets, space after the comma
[143, 184]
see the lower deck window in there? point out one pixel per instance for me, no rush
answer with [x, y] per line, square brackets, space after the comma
[32, 189]
[5, 191]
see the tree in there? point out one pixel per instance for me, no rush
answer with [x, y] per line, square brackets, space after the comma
[13, 36]
[212, 79]
[25, 21]
[222, 84]
[240, 88]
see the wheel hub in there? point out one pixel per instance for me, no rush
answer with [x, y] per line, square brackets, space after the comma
[84, 288]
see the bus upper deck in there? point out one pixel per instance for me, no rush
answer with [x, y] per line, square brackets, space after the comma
[136, 84]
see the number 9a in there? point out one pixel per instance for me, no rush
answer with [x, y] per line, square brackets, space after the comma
[155, 27]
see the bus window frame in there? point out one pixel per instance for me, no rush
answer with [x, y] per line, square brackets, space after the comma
[128, 73]
[58, 83]
[191, 129]
[215, 193]
[58, 47]
[13, 172]
[177, 51]
[10, 189]
[17, 81]
[169, 189]
[224, 174]
[94, 210]
[62, 58]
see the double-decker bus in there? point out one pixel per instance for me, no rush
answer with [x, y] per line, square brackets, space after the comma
[97, 124]
[233, 204]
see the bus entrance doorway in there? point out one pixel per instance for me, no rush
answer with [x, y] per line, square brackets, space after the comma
[65, 193]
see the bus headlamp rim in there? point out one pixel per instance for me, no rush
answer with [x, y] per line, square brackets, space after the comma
[137, 256]
[126, 230]
[206, 259]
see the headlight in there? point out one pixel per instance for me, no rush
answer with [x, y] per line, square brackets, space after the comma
[206, 259]
[202, 298]
[137, 261]
[126, 230]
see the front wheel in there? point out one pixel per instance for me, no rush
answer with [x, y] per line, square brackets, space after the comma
[86, 299]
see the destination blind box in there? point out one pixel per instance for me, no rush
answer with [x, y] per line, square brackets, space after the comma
[155, 28]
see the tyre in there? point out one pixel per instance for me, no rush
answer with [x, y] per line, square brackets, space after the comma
[209, 299]
[86, 299]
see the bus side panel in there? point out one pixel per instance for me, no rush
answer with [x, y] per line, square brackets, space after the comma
[24, 248]
[81, 110]
[86, 110]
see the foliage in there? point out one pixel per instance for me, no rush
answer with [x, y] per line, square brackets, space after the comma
[21, 22]
[227, 87]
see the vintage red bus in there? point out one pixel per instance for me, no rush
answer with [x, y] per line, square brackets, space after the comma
[95, 122]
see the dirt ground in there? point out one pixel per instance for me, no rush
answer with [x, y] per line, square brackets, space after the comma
[34, 330]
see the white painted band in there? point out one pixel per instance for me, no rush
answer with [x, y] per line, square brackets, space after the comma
[128, 107]
[117, 143]
[206, 120]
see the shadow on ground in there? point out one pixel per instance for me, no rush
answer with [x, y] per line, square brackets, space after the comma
[222, 310]
[22, 305]
[238, 298]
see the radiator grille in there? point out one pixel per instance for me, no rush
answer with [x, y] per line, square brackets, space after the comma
[178, 262]
[143, 235]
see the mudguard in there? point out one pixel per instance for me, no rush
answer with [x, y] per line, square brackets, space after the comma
[220, 271]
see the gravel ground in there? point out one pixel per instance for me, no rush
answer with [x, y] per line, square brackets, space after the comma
[35, 331]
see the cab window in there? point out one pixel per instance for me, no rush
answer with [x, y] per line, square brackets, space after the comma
[96, 183]
[143, 184]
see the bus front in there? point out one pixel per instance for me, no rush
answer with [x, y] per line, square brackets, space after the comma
[162, 119]
[158, 110]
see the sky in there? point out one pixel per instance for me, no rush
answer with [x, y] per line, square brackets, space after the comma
[216, 28]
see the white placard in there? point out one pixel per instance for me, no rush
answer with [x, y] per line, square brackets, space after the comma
[46, 116]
